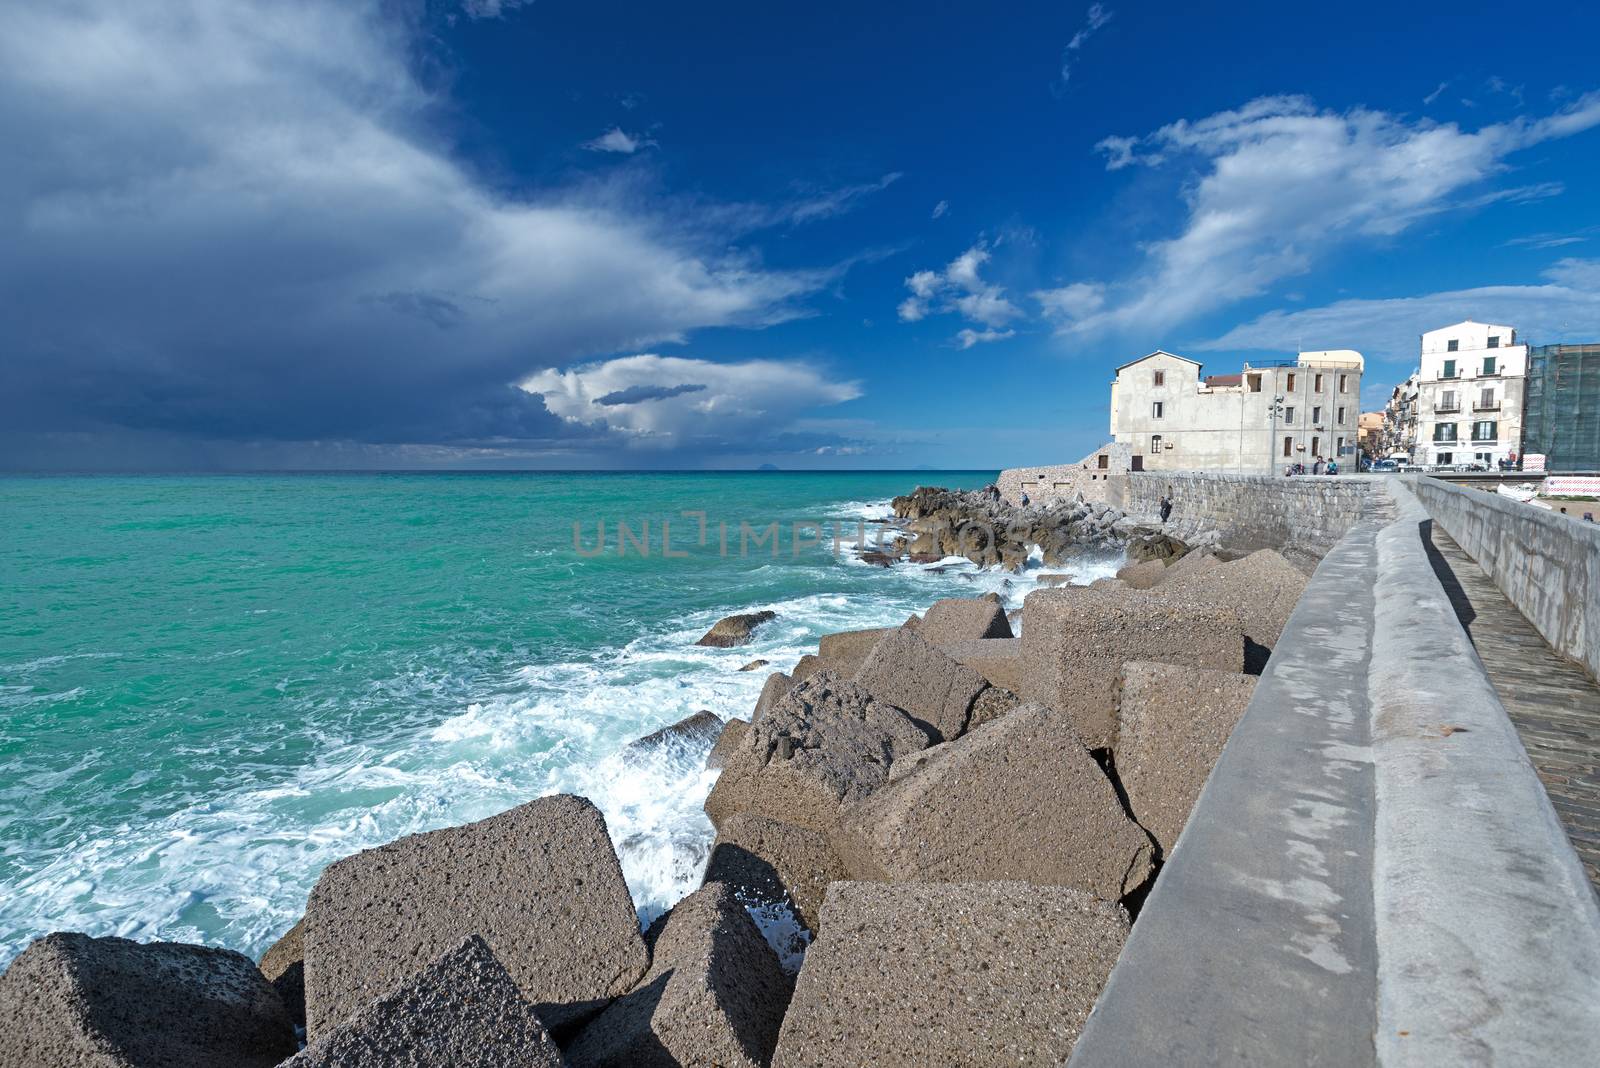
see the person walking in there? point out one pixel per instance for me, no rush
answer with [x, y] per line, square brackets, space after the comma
[1165, 508]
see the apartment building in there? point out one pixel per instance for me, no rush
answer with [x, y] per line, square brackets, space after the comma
[1470, 394]
[1561, 414]
[1399, 438]
[1272, 414]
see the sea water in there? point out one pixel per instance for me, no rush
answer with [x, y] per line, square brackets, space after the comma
[212, 687]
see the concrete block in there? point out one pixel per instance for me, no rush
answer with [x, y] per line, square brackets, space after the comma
[732, 736]
[539, 883]
[284, 966]
[958, 619]
[936, 691]
[1261, 588]
[991, 973]
[845, 652]
[767, 860]
[1143, 575]
[998, 660]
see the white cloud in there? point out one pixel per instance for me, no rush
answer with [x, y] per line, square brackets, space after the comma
[968, 337]
[491, 9]
[672, 402]
[940, 208]
[837, 201]
[618, 140]
[1097, 17]
[1283, 183]
[961, 289]
[1565, 308]
[1431, 97]
[1071, 301]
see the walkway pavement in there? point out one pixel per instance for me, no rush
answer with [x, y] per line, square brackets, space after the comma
[1554, 704]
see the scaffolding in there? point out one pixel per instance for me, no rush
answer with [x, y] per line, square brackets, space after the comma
[1562, 418]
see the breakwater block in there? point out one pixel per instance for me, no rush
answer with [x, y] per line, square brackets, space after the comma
[767, 860]
[935, 690]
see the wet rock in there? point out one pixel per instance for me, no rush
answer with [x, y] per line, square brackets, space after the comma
[462, 1009]
[1174, 722]
[935, 690]
[879, 558]
[754, 665]
[958, 619]
[72, 1001]
[714, 995]
[822, 743]
[698, 731]
[735, 630]
[731, 737]
[1054, 578]
[284, 967]
[976, 974]
[1019, 798]
[539, 883]
[768, 860]
[1075, 641]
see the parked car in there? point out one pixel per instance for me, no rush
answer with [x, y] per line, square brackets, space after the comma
[1384, 465]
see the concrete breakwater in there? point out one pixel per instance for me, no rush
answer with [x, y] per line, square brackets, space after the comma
[975, 831]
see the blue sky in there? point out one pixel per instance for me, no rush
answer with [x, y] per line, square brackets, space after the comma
[492, 234]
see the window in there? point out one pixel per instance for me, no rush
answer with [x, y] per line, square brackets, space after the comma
[1155, 443]
[1449, 368]
[1288, 414]
[1157, 409]
[1316, 446]
[1338, 448]
[1448, 402]
[1344, 383]
[1489, 364]
[1161, 378]
[1444, 432]
[1486, 430]
[1316, 415]
[1290, 386]
[1340, 420]
[1255, 383]
[1446, 458]
[1316, 384]
[1486, 399]
[1288, 446]
[1105, 461]
[1452, 345]
[1494, 341]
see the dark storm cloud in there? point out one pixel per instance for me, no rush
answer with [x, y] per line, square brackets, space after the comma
[635, 394]
[228, 222]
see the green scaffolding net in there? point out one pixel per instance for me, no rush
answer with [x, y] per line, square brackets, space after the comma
[1562, 419]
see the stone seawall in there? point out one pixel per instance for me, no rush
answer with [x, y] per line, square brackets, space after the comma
[1547, 565]
[1252, 511]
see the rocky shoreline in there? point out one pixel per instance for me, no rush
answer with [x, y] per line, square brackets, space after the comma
[961, 822]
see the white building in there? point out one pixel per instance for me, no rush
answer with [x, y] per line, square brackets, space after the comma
[1261, 420]
[1470, 389]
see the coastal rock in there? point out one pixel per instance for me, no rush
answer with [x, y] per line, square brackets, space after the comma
[977, 974]
[735, 630]
[72, 1001]
[464, 1008]
[698, 731]
[845, 652]
[998, 660]
[1155, 547]
[755, 665]
[822, 743]
[1054, 578]
[934, 690]
[1143, 575]
[767, 860]
[284, 967]
[1076, 639]
[1019, 798]
[539, 883]
[808, 666]
[1262, 588]
[1174, 722]
[776, 686]
[732, 736]
[714, 995]
[959, 619]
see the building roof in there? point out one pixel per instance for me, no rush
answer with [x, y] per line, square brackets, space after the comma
[1158, 352]
[1225, 380]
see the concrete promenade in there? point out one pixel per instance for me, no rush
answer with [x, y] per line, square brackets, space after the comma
[1551, 700]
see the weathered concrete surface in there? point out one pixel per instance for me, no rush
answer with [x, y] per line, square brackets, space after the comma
[731, 738]
[461, 1009]
[999, 660]
[539, 883]
[934, 690]
[72, 1001]
[1547, 564]
[714, 995]
[844, 653]
[1488, 930]
[1018, 799]
[1256, 945]
[776, 686]
[284, 965]
[1249, 511]
[1143, 575]
[959, 619]
[767, 860]
[949, 974]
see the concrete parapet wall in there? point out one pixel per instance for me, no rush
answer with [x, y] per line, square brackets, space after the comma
[1252, 511]
[1547, 565]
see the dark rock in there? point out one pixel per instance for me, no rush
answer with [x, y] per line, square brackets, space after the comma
[540, 883]
[767, 860]
[462, 1009]
[730, 739]
[714, 995]
[735, 630]
[820, 744]
[1019, 798]
[958, 620]
[936, 691]
[1076, 639]
[879, 558]
[698, 731]
[754, 665]
[1155, 547]
[945, 974]
[284, 966]
[72, 1001]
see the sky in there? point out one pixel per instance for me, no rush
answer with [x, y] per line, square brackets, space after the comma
[269, 234]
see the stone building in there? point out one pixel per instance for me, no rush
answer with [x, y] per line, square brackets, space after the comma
[1399, 439]
[1470, 393]
[1269, 415]
[1369, 434]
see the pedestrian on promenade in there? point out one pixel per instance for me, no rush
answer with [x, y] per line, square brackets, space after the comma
[1024, 500]
[1166, 508]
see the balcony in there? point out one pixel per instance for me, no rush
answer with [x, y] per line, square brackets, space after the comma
[1448, 378]
[1443, 409]
[1491, 407]
[1476, 440]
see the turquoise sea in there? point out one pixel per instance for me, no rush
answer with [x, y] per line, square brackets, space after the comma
[212, 687]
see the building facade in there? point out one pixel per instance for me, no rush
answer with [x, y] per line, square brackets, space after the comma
[1270, 415]
[1399, 439]
[1562, 411]
[1470, 394]
[1369, 434]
